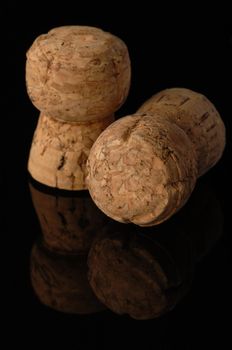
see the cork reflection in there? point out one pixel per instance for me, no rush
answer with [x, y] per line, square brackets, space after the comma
[85, 260]
[69, 220]
[145, 272]
[60, 282]
[69, 223]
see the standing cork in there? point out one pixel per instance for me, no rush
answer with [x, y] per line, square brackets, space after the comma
[60, 282]
[77, 77]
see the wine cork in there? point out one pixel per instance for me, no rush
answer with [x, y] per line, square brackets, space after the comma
[68, 223]
[197, 116]
[141, 169]
[60, 149]
[61, 282]
[78, 73]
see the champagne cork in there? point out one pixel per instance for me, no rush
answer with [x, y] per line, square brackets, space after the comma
[143, 168]
[77, 77]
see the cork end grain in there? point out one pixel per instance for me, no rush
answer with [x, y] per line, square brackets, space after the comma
[141, 170]
[59, 151]
[197, 117]
[78, 73]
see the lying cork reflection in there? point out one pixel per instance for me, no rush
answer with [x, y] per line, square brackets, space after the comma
[142, 272]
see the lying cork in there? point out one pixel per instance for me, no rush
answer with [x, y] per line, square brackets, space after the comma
[60, 149]
[197, 116]
[78, 73]
[143, 168]
[68, 223]
[60, 282]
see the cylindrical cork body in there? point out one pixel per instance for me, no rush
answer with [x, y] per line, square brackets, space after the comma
[60, 149]
[61, 283]
[141, 169]
[78, 73]
[68, 223]
[197, 116]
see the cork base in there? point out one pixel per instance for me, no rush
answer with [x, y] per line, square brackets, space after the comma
[59, 151]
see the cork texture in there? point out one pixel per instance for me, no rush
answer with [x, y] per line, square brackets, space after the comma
[141, 169]
[78, 73]
[68, 224]
[61, 282]
[197, 116]
[59, 151]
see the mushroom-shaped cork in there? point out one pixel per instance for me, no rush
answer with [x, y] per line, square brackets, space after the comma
[78, 73]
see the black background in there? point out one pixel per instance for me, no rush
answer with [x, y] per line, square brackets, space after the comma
[185, 46]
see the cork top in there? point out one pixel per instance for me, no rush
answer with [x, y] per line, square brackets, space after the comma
[78, 73]
[136, 166]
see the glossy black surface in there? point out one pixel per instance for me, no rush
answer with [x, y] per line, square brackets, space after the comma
[142, 272]
[166, 50]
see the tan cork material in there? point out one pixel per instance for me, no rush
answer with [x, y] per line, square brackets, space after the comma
[77, 76]
[197, 116]
[78, 73]
[141, 169]
[60, 149]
